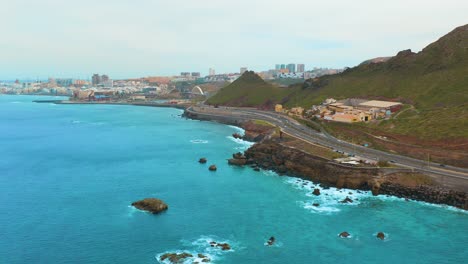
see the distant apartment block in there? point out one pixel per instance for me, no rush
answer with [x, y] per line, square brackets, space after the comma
[211, 72]
[300, 68]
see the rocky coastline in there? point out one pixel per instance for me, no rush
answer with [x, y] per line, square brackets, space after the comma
[270, 154]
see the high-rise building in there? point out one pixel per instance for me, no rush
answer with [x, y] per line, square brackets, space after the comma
[195, 74]
[283, 66]
[104, 78]
[211, 72]
[278, 67]
[96, 79]
[185, 74]
[300, 68]
[243, 69]
[291, 67]
[64, 82]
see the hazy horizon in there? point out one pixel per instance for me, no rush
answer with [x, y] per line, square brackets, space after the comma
[52, 38]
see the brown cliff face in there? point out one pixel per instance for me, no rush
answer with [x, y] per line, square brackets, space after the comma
[272, 155]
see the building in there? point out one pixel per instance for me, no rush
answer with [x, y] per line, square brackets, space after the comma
[381, 105]
[96, 79]
[64, 82]
[300, 68]
[185, 74]
[345, 118]
[278, 67]
[104, 78]
[195, 74]
[297, 111]
[243, 69]
[283, 66]
[279, 108]
[211, 72]
[292, 67]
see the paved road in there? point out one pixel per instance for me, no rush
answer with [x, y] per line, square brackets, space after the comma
[292, 127]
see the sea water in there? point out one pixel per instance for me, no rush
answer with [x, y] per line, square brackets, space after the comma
[68, 174]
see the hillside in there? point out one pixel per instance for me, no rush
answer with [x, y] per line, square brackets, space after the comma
[249, 90]
[436, 77]
[434, 81]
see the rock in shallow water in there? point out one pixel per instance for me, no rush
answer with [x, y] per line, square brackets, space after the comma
[152, 205]
[212, 168]
[344, 234]
[347, 200]
[316, 192]
[176, 258]
[381, 235]
[202, 160]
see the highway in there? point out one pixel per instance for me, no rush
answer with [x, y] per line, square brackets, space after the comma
[293, 128]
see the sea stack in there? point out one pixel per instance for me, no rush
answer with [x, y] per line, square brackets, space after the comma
[381, 235]
[344, 234]
[152, 205]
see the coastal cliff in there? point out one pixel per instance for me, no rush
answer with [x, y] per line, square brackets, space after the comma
[272, 155]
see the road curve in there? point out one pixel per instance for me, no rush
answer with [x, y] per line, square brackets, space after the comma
[292, 127]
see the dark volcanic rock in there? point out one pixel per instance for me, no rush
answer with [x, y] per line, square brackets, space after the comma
[237, 135]
[344, 234]
[316, 204]
[212, 168]
[238, 162]
[347, 200]
[316, 192]
[152, 205]
[238, 155]
[224, 246]
[271, 241]
[381, 235]
[202, 160]
[256, 169]
[176, 258]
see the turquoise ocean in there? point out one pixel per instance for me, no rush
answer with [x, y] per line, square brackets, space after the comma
[68, 174]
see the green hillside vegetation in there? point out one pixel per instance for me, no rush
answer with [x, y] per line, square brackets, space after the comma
[249, 90]
[434, 81]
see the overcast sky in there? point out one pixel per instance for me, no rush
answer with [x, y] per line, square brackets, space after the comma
[135, 38]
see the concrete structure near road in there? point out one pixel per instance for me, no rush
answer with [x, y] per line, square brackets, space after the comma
[279, 108]
[243, 69]
[298, 111]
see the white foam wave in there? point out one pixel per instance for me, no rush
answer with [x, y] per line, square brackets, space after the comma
[199, 141]
[269, 173]
[76, 122]
[239, 130]
[15, 102]
[243, 144]
[330, 199]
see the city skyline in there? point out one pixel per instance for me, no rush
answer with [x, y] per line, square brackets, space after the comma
[52, 38]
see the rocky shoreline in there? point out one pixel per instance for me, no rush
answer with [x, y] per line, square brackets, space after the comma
[271, 154]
